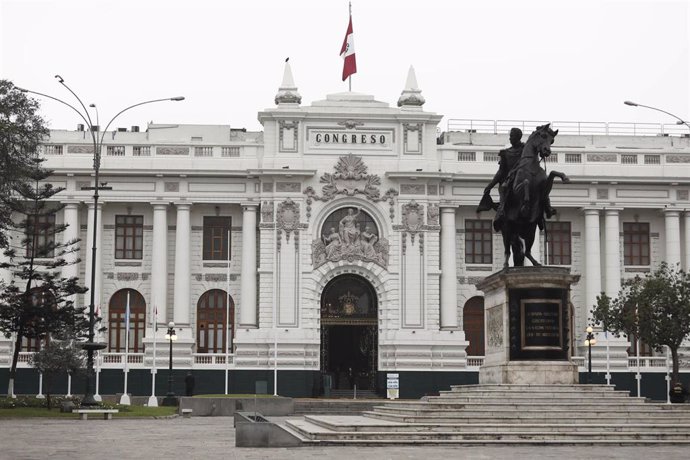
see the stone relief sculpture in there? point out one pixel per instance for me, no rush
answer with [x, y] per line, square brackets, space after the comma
[349, 179]
[287, 217]
[432, 214]
[350, 242]
[267, 211]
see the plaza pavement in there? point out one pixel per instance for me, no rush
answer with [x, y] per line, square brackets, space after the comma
[214, 438]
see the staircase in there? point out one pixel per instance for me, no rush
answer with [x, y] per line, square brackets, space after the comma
[506, 415]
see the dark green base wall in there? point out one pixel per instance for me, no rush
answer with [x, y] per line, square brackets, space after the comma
[300, 384]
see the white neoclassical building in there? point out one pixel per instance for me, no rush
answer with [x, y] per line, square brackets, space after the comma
[341, 243]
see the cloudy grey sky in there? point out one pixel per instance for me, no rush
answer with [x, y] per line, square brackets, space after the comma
[508, 60]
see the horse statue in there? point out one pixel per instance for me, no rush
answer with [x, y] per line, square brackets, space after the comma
[525, 200]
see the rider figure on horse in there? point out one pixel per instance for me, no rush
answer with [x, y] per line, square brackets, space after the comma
[507, 160]
[524, 190]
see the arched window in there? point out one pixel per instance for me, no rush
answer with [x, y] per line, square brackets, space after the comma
[210, 321]
[40, 298]
[116, 321]
[473, 321]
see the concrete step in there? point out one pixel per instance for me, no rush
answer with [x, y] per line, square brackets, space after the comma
[531, 394]
[532, 400]
[590, 412]
[316, 432]
[506, 415]
[533, 387]
[334, 423]
[489, 417]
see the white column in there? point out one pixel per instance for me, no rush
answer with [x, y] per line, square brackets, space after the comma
[687, 241]
[70, 218]
[183, 272]
[592, 259]
[449, 281]
[612, 251]
[672, 230]
[248, 276]
[159, 260]
[89, 252]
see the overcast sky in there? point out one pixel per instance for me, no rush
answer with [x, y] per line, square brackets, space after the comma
[505, 60]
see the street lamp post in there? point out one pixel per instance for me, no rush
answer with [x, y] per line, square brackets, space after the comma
[589, 341]
[170, 398]
[90, 346]
[680, 120]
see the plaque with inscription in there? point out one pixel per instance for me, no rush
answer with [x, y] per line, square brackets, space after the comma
[538, 324]
[541, 324]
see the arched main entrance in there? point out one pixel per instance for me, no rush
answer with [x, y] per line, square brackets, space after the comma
[349, 333]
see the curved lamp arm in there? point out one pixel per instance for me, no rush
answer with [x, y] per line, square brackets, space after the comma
[87, 121]
[178, 98]
[635, 104]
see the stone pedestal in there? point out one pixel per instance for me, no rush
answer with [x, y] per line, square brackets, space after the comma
[527, 317]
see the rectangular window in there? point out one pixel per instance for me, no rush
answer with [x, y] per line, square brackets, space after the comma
[558, 237]
[636, 243]
[129, 237]
[40, 235]
[216, 241]
[478, 242]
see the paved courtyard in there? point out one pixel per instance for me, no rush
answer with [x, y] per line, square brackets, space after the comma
[214, 437]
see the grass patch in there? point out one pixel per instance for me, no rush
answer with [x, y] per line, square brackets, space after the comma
[236, 396]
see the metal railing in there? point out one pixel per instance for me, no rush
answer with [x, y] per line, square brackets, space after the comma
[601, 128]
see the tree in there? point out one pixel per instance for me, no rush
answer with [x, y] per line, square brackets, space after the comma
[655, 309]
[38, 302]
[21, 132]
[55, 359]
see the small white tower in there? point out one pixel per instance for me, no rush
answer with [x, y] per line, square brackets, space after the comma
[287, 93]
[411, 97]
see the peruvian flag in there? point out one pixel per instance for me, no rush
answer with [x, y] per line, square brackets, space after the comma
[347, 52]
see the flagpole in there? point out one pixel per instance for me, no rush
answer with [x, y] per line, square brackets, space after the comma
[275, 308]
[124, 399]
[97, 359]
[349, 79]
[227, 317]
[153, 401]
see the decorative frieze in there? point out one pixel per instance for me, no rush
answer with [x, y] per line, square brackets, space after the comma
[131, 276]
[602, 158]
[288, 187]
[412, 189]
[80, 149]
[172, 186]
[178, 151]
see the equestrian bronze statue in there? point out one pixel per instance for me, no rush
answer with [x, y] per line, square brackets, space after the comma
[524, 191]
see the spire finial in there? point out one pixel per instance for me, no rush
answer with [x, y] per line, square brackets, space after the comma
[411, 96]
[287, 93]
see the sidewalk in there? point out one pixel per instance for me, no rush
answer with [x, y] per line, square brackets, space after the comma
[214, 437]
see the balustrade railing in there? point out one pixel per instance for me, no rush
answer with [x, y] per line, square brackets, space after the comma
[602, 128]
